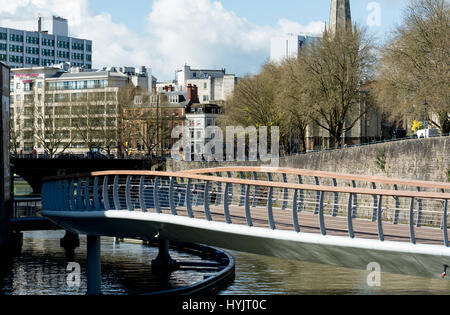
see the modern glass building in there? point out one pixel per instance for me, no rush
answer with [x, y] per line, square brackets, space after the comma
[24, 49]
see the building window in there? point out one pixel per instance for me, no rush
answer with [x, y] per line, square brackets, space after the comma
[205, 98]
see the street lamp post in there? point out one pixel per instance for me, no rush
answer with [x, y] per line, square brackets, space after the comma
[425, 122]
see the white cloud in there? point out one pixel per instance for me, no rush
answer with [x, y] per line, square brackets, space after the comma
[201, 33]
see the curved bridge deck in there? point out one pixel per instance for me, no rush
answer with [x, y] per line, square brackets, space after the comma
[337, 219]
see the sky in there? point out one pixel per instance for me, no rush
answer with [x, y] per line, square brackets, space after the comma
[166, 34]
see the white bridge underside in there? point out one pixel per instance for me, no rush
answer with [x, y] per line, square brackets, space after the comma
[394, 257]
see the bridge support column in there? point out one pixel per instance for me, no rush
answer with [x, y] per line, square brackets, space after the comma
[163, 262]
[94, 271]
[70, 241]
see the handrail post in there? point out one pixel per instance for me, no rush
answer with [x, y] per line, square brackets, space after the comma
[173, 208]
[285, 193]
[355, 201]
[302, 195]
[336, 200]
[445, 222]
[411, 222]
[116, 193]
[206, 201]
[189, 199]
[375, 204]
[97, 204]
[380, 218]
[219, 191]
[397, 207]
[242, 197]
[130, 206]
[73, 205]
[295, 212]
[317, 209]
[351, 232]
[156, 195]
[141, 194]
[323, 228]
[106, 202]
[420, 210]
[247, 207]
[87, 195]
[255, 197]
[226, 202]
[270, 209]
[79, 195]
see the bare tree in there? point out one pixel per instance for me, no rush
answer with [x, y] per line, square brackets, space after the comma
[415, 65]
[332, 71]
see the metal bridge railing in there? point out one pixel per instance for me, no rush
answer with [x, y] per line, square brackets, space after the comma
[27, 207]
[244, 197]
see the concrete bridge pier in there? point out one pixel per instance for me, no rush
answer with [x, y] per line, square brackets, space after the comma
[70, 241]
[94, 269]
[163, 262]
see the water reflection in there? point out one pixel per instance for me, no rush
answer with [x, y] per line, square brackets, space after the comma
[267, 276]
[126, 269]
[40, 269]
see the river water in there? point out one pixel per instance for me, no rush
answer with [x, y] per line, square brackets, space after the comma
[41, 269]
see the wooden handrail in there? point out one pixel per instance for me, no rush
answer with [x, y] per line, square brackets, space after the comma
[331, 189]
[322, 174]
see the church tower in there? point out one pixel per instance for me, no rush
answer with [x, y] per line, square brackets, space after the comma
[340, 17]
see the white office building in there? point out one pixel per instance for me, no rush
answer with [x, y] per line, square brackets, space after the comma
[288, 46]
[49, 45]
[213, 85]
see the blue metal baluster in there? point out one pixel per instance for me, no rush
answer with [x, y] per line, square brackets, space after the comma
[295, 212]
[351, 232]
[255, 197]
[317, 209]
[411, 222]
[336, 200]
[227, 202]
[142, 194]
[87, 195]
[419, 210]
[219, 191]
[285, 193]
[182, 193]
[445, 222]
[206, 201]
[397, 207]
[97, 204]
[128, 187]
[270, 209]
[80, 205]
[73, 205]
[156, 195]
[355, 202]
[380, 218]
[248, 215]
[375, 204]
[242, 199]
[116, 193]
[323, 229]
[302, 195]
[106, 202]
[173, 208]
[189, 199]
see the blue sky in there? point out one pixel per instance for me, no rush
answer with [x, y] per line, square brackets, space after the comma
[262, 12]
[166, 34]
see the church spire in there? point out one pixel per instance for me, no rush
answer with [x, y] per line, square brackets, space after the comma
[340, 16]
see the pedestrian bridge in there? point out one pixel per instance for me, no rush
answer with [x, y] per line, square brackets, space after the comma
[320, 217]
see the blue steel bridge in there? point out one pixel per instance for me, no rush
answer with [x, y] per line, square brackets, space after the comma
[319, 217]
